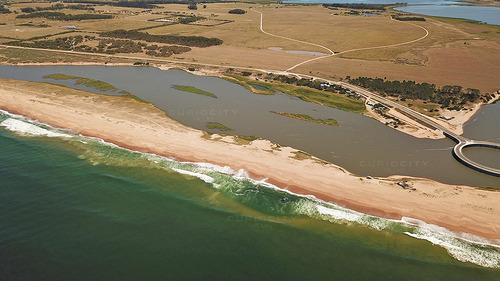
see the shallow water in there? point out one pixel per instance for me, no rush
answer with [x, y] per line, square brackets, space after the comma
[76, 208]
[409, 2]
[490, 15]
[361, 145]
[440, 8]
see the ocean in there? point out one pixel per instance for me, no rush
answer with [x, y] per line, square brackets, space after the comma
[77, 208]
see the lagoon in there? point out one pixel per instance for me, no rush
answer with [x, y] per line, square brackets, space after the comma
[490, 15]
[438, 8]
[361, 145]
[409, 2]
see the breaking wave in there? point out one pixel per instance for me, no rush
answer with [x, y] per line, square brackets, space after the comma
[266, 197]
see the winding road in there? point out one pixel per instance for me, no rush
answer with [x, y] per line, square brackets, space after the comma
[462, 142]
[332, 53]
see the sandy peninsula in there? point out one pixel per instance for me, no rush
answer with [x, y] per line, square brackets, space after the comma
[142, 127]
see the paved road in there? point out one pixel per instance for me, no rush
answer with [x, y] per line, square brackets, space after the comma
[462, 143]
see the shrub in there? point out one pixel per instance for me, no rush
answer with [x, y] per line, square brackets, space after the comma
[28, 10]
[237, 11]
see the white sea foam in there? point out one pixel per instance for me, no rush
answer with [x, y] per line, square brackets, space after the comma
[471, 238]
[212, 167]
[26, 128]
[462, 246]
[461, 250]
[203, 177]
[242, 174]
[339, 214]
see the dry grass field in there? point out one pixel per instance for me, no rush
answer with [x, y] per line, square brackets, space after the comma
[455, 51]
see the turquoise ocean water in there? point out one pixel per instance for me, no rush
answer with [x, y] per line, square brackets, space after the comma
[77, 208]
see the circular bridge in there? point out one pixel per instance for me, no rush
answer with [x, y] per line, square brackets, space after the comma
[462, 142]
[460, 156]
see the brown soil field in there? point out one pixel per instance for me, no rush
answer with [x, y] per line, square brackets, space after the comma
[455, 51]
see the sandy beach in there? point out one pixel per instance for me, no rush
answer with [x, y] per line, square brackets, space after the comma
[142, 127]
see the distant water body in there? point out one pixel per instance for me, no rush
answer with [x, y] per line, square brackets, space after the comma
[490, 15]
[439, 8]
[409, 2]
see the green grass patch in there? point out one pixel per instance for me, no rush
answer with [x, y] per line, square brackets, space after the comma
[244, 140]
[489, 188]
[100, 85]
[329, 99]
[243, 81]
[301, 155]
[193, 90]
[240, 140]
[127, 94]
[236, 81]
[331, 122]
[60, 76]
[217, 126]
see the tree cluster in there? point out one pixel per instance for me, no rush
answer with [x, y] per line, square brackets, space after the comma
[62, 43]
[111, 46]
[191, 41]
[148, 4]
[362, 6]
[408, 18]
[135, 4]
[166, 51]
[237, 11]
[190, 19]
[311, 83]
[28, 10]
[58, 6]
[64, 17]
[105, 46]
[4, 10]
[449, 96]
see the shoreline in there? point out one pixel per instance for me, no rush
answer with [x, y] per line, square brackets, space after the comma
[458, 208]
[412, 127]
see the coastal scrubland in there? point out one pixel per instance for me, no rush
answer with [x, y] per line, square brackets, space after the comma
[438, 51]
[457, 50]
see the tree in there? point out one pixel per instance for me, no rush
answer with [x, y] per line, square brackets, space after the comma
[4, 10]
[28, 10]
[237, 11]
[193, 6]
